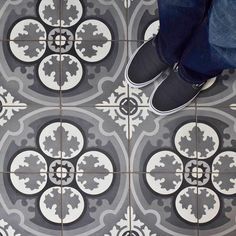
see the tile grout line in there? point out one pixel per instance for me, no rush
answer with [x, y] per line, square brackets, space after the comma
[129, 144]
[60, 101]
[196, 120]
[94, 106]
[114, 172]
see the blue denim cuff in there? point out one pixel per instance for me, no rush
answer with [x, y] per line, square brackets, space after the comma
[183, 72]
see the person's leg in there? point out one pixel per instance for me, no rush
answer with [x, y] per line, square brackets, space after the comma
[213, 46]
[178, 20]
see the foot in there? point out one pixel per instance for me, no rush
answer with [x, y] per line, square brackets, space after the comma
[144, 66]
[173, 94]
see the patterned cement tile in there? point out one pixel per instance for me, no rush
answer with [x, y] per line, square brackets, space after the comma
[81, 140]
[22, 80]
[93, 142]
[19, 20]
[42, 173]
[91, 204]
[30, 141]
[143, 19]
[26, 208]
[99, 205]
[87, 19]
[162, 140]
[161, 206]
[217, 205]
[216, 138]
[97, 20]
[63, 163]
[9, 117]
[94, 76]
[216, 170]
[219, 91]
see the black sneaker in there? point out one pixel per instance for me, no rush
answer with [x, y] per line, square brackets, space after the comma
[144, 65]
[173, 94]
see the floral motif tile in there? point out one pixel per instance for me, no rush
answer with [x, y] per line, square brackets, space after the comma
[63, 169]
[19, 21]
[26, 207]
[216, 205]
[93, 142]
[94, 207]
[22, 81]
[175, 179]
[91, 77]
[163, 144]
[216, 170]
[38, 20]
[143, 19]
[99, 205]
[30, 140]
[97, 20]
[161, 205]
[82, 153]
[216, 138]
[9, 116]
[219, 91]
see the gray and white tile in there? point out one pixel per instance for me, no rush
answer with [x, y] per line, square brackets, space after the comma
[161, 206]
[167, 143]
[96, 204]
[30, 140]
[28, 209]
[92, 75]
[93, 142]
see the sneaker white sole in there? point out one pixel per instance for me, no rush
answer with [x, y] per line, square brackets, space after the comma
[138, 85]
[164, 113]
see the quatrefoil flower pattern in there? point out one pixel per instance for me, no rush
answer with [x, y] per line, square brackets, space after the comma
[60, 29]
[171, 171]
[59, 179]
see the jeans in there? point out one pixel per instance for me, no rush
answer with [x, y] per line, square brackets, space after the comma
[198, 34]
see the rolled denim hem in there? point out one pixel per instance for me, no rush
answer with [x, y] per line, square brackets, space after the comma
[159, 52]
[185, 76]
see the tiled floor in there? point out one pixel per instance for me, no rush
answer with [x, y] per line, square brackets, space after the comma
[81, 153]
